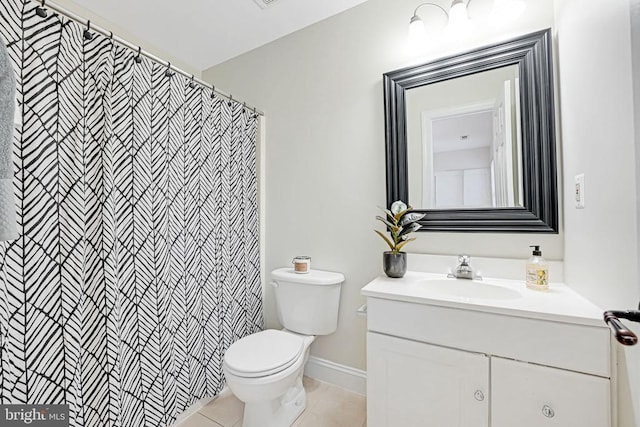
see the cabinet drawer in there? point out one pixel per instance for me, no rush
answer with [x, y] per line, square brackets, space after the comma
[564, 345]
[526, 395]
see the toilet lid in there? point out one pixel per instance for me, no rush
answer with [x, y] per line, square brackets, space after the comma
[263, 353]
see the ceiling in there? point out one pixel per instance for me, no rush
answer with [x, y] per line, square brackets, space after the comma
[463, 132]
[204, 33]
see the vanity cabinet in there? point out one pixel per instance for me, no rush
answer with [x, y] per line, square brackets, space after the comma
[527, 395]
[433, 363]
[410, 382]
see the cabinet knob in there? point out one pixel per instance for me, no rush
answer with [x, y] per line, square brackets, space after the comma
[547, 411]
[479, 395]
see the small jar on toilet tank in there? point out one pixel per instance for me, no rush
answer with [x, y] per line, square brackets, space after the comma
[302, 264]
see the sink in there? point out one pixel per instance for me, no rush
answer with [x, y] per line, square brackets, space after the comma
[470, 289]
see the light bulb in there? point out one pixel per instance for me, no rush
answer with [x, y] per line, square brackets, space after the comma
[459, 22]
[417, 32]
[458, 15]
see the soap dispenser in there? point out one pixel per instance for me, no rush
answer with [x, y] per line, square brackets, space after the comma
[537, 275]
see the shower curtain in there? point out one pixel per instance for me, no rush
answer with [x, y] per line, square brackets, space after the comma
[137, 264]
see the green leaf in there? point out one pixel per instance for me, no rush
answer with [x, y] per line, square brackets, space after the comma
[390, 215]
[410, 228]
[386, 239]
[411, 217]
[387, 223]
[401, 214]
[398, 206]
[401, 245]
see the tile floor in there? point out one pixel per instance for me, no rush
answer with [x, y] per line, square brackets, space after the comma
[327, 406]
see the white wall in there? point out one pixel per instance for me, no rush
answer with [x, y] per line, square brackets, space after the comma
[86, 14]
[321, 89]
[597, 110]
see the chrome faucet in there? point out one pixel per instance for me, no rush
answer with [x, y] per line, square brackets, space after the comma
[463, 270]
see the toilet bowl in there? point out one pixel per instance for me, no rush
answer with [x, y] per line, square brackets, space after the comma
[264, 370]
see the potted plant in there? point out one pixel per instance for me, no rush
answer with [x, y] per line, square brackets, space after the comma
[400, 222]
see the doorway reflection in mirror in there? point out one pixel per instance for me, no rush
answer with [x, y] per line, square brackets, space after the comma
[464, 144]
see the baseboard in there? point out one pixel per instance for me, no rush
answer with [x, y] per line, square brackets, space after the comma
[343, 376]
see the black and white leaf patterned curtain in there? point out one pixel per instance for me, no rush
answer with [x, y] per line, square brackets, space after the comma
[138, 261]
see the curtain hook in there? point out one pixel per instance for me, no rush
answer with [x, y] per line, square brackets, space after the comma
[168, 73]
[192, 84]
[255, 115]
[137, 58]
[41, 11]
[230, 100]
[87, 32]
[213, 91]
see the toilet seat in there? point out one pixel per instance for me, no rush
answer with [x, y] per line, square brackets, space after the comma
[263, 353]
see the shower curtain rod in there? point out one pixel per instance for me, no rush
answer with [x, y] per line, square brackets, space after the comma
[62, 11]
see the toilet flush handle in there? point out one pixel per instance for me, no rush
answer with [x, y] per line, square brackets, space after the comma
[274, 284]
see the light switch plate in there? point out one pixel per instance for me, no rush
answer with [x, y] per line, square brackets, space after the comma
[579, 191]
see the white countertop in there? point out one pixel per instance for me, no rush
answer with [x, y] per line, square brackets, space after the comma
[560, 303]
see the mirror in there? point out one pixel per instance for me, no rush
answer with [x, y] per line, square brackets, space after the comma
[470, 139]
[463, 144]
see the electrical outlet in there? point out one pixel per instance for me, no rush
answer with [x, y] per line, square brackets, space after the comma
[579, 191]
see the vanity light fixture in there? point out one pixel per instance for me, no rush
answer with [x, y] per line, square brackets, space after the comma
[417, 32]
[458, 16]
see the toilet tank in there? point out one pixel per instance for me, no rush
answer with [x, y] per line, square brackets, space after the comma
[307, 303]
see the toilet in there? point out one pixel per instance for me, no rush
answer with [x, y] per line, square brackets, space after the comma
[264, 370]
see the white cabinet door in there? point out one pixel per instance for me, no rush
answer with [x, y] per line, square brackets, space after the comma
[527, 395]
[412, 384]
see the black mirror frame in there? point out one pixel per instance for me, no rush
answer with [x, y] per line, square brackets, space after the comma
[532, 53]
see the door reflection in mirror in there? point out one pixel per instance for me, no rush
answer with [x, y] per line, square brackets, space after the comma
[464, 142]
